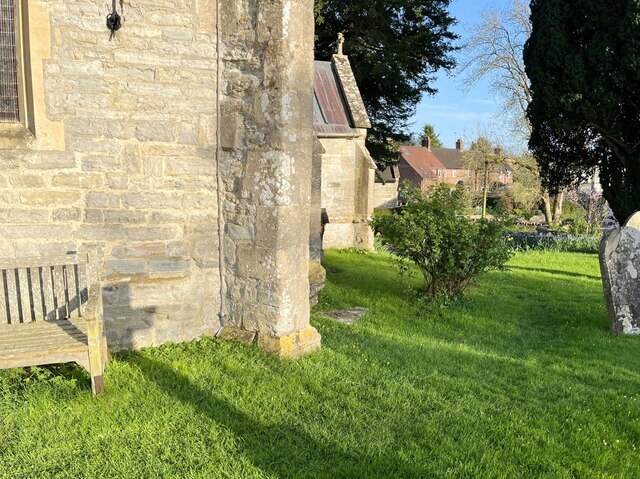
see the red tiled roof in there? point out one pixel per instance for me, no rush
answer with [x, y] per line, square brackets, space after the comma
[422, 160]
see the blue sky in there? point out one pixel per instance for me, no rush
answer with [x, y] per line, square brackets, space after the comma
[453, 113]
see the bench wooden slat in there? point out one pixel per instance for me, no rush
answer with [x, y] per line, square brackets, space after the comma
[4, 307]
[58, 292]
[50, 312]
[13, 313]
[65, 287]
[79, 357]
[68, 344]
[36, 293]
[19, 298]
[71, 324]
[83, 291]
[40, 347]
[9, 333]
[53, 337]
[12, 263]
[25, 299]
[52, 342]
[74, 297]
[48, 293]
[34, 336]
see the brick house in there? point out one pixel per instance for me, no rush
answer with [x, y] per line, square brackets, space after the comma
[424, 166]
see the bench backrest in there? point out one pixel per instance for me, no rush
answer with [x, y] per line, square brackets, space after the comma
[47, 289]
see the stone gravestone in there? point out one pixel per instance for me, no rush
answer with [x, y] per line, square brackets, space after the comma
[620, 266]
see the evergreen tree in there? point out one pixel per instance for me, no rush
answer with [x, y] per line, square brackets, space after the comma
[428, 131]
[395, 49]
[583, 62]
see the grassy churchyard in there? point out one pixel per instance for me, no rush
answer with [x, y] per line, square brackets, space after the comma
[521, 379]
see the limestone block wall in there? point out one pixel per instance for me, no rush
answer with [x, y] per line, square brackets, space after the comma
[266, 164]
[132, 168]
[347, 192]
[385, 195]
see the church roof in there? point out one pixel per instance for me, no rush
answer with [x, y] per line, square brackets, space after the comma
[337, 105]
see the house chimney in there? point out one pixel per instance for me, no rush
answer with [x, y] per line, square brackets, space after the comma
[460, 145]
[426, 143]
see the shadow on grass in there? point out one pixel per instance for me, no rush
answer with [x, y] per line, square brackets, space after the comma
[515, 315]
[556, 272]
[281, 450]
[461, 365]
[352, 280]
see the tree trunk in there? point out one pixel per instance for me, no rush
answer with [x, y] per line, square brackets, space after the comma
[557, 207]
[484, 190]
[548, 215]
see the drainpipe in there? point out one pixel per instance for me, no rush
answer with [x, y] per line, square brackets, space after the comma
[220, 192]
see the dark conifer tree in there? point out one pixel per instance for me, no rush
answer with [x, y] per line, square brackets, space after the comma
[583, 61]
[395, 48]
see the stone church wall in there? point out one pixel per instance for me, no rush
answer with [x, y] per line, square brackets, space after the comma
[125, 157]
[385, 195]
[347, 193]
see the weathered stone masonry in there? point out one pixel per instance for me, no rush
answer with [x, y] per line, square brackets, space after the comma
[267, 143]
[125, 156]
[347, 169]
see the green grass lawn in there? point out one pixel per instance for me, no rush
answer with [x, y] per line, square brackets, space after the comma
[520, 380]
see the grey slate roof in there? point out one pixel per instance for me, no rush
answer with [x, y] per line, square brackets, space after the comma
[388, 175]
[451, 158]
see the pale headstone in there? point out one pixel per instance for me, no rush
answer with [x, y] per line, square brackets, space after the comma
[620, 266]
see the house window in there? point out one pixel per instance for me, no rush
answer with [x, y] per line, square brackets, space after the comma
[12, 108]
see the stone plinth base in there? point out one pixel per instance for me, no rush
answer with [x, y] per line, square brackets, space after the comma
[231, 333]
[294, 345]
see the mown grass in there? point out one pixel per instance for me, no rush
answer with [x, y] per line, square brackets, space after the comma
[521, 379]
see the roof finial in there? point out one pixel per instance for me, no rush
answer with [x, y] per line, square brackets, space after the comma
[340, 43]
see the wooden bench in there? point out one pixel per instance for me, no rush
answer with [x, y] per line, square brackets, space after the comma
[51, 312]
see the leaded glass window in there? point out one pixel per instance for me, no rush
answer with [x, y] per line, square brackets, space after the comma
[9, 99]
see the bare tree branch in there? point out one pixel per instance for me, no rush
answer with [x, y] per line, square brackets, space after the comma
[494, 51]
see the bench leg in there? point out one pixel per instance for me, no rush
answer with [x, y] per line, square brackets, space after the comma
[104, 350]
[97, 356]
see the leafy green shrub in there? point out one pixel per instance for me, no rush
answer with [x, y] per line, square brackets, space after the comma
[501, 204]
[572, 211]
[504, 204]
[449, 249]
[578, 227]
[380, 212]
[526, 213]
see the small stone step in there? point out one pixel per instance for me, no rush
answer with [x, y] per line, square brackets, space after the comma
[346, 316]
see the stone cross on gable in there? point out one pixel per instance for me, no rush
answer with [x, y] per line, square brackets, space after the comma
[340, 43]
